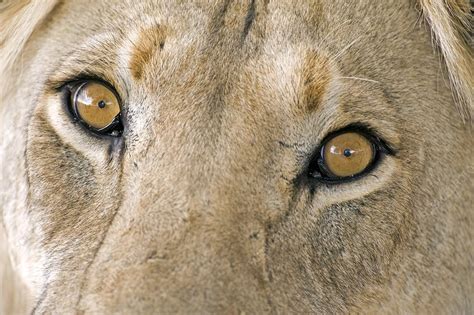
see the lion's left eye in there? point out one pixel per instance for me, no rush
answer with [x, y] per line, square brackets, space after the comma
[348, 154]
[96, 106]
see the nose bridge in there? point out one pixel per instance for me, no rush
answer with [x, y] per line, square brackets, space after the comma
[190, 228]
[211, 154]
[214, 176]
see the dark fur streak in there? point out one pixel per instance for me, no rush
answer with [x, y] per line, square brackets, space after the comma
[249, 20]
[297, 147]
[286, 145]
[221, 15]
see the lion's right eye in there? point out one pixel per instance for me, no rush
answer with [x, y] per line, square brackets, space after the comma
[97, 107]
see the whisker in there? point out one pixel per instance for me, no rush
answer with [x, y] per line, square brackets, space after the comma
[332, 32]
[343, 50]
[360, 79]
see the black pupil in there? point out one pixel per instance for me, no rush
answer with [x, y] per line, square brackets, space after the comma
[347, 152]
[101, 104]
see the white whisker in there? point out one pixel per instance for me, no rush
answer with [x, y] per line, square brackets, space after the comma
[343, 50]
[335, 30]
[360, 79]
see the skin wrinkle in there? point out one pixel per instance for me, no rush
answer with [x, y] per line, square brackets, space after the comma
[211, 208]
[25, 153]
[66, 152]
[44, 292]
[231, 26]
[268, 228]
[86, 271]
[119, 205]
[297, 182]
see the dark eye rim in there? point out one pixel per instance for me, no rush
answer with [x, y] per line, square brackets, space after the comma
[319, 172]
[69, 93]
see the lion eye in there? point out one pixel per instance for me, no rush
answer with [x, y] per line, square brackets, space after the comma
[346, 155]
[97, 107]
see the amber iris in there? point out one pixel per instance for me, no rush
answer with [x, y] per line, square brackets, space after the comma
[96, 105]
[347, 154]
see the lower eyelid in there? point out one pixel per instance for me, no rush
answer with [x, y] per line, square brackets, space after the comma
[326, 194]
[369, 173]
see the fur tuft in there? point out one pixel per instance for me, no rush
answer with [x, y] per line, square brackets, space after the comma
[18, 20]
[451, 23]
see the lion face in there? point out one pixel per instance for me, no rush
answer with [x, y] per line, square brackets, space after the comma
[254, 157]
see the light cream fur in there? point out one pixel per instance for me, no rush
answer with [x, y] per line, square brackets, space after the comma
[452, 27]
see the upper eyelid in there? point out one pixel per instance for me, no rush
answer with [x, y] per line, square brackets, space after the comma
[60, 81]
[75, 82]
[366, 130]
[74, 85]
[73, 69]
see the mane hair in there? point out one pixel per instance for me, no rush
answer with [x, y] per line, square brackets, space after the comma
[451, 23]
[18, 20]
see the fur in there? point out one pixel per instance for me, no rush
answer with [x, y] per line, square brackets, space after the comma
[201, 206]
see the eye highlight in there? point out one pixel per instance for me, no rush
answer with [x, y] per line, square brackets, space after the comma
[97, 107]
[346, 155]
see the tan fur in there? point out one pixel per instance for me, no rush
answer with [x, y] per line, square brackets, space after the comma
[315, 82]
[204, 206]
[145, 47]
